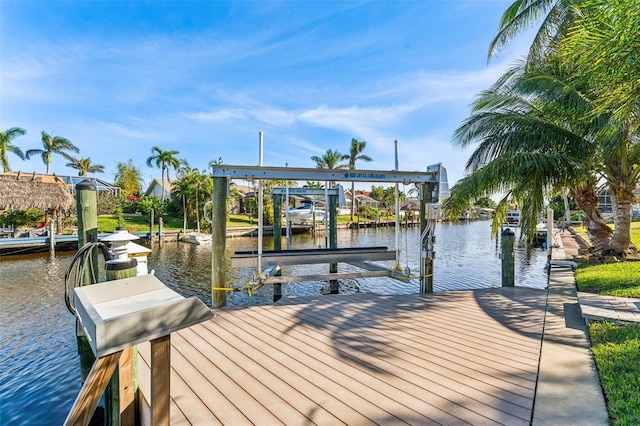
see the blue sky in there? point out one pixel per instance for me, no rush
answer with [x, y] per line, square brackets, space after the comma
[203, 78]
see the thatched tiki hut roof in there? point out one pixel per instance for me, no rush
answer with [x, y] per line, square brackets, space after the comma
[25, 191]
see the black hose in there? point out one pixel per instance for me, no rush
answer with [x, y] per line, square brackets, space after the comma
[75, 271]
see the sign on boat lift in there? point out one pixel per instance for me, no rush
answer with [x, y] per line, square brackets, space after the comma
[433, 189]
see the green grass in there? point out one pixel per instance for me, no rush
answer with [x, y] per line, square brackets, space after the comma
[620, 279]
[108, 223]
[635, 231]
[617, 353]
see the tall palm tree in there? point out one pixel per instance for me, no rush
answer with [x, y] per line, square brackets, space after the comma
[6, 145]
[163, 160]
[84, 166]
[52, 145]
[355, 154]
[182, 188]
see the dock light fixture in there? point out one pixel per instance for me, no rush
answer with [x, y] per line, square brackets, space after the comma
[120, 265]
[118, 241]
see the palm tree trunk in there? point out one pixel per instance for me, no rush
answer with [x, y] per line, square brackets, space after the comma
[197, 212]
[353, 199]
[621, 198]
[162, 197]
[184, 214]
[597, 229]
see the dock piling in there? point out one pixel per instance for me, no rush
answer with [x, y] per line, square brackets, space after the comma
[507, 240]
[218, 243]
[277, 239]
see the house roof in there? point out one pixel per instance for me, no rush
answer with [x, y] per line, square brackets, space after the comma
[158, 182]
[25, 191]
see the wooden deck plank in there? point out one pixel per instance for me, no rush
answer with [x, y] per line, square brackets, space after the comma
[238, 384]
[267, 386]
[494, 341]
[275, 360]
[413, 361]
[411, 374]
[451, 345]
[318, 371]
[464, 374]
[467, 357]
[406, 405]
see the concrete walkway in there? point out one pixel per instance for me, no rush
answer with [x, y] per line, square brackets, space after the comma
[568, 390]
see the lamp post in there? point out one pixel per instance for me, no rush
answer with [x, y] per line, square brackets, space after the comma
[120, 266]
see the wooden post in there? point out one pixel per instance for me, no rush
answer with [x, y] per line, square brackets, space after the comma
[121, 391]
[127, 378]
[507, 240]
[52, 237]
[92, 390]
[218, 243]
[277, 239]
[160, 231]
[151, 223]
[160, 380]
[426, 241]
[332, 212]
[87, 210]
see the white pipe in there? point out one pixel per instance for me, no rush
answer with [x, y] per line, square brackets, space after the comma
[260, 215]
[326, 215]
[549, 232]
[397, 199]
[286, 212]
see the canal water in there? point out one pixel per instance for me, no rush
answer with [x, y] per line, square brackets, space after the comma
[39, 366]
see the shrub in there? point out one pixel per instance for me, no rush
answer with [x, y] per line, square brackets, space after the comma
[17, 218]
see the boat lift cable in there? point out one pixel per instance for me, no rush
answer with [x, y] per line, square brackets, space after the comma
[75, 272]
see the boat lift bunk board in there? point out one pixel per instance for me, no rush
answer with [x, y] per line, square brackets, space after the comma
[355, 256]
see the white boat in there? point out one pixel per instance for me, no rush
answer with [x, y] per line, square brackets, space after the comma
[305, 215]
[196, 238]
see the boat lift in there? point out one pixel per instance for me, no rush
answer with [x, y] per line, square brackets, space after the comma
[428, 183]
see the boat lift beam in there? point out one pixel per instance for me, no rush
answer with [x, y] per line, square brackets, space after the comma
[303, 174]
[313, 256]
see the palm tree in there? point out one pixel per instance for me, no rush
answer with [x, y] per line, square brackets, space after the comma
[164, 160]
[84, 166]
[330, 160]
[6, 145]
[536, 131]
[355, 154]
[557, 17]
[313, 184]
[52, 145]
[217, 162]
[182, 188]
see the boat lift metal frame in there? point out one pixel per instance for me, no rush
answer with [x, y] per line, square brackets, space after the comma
[223, 173]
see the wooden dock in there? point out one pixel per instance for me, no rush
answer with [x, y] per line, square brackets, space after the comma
[463, 357]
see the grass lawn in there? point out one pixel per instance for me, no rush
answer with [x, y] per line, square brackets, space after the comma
[635, 231]
[620, 279]
[617, 353]
[108, 223]
[616, 348]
